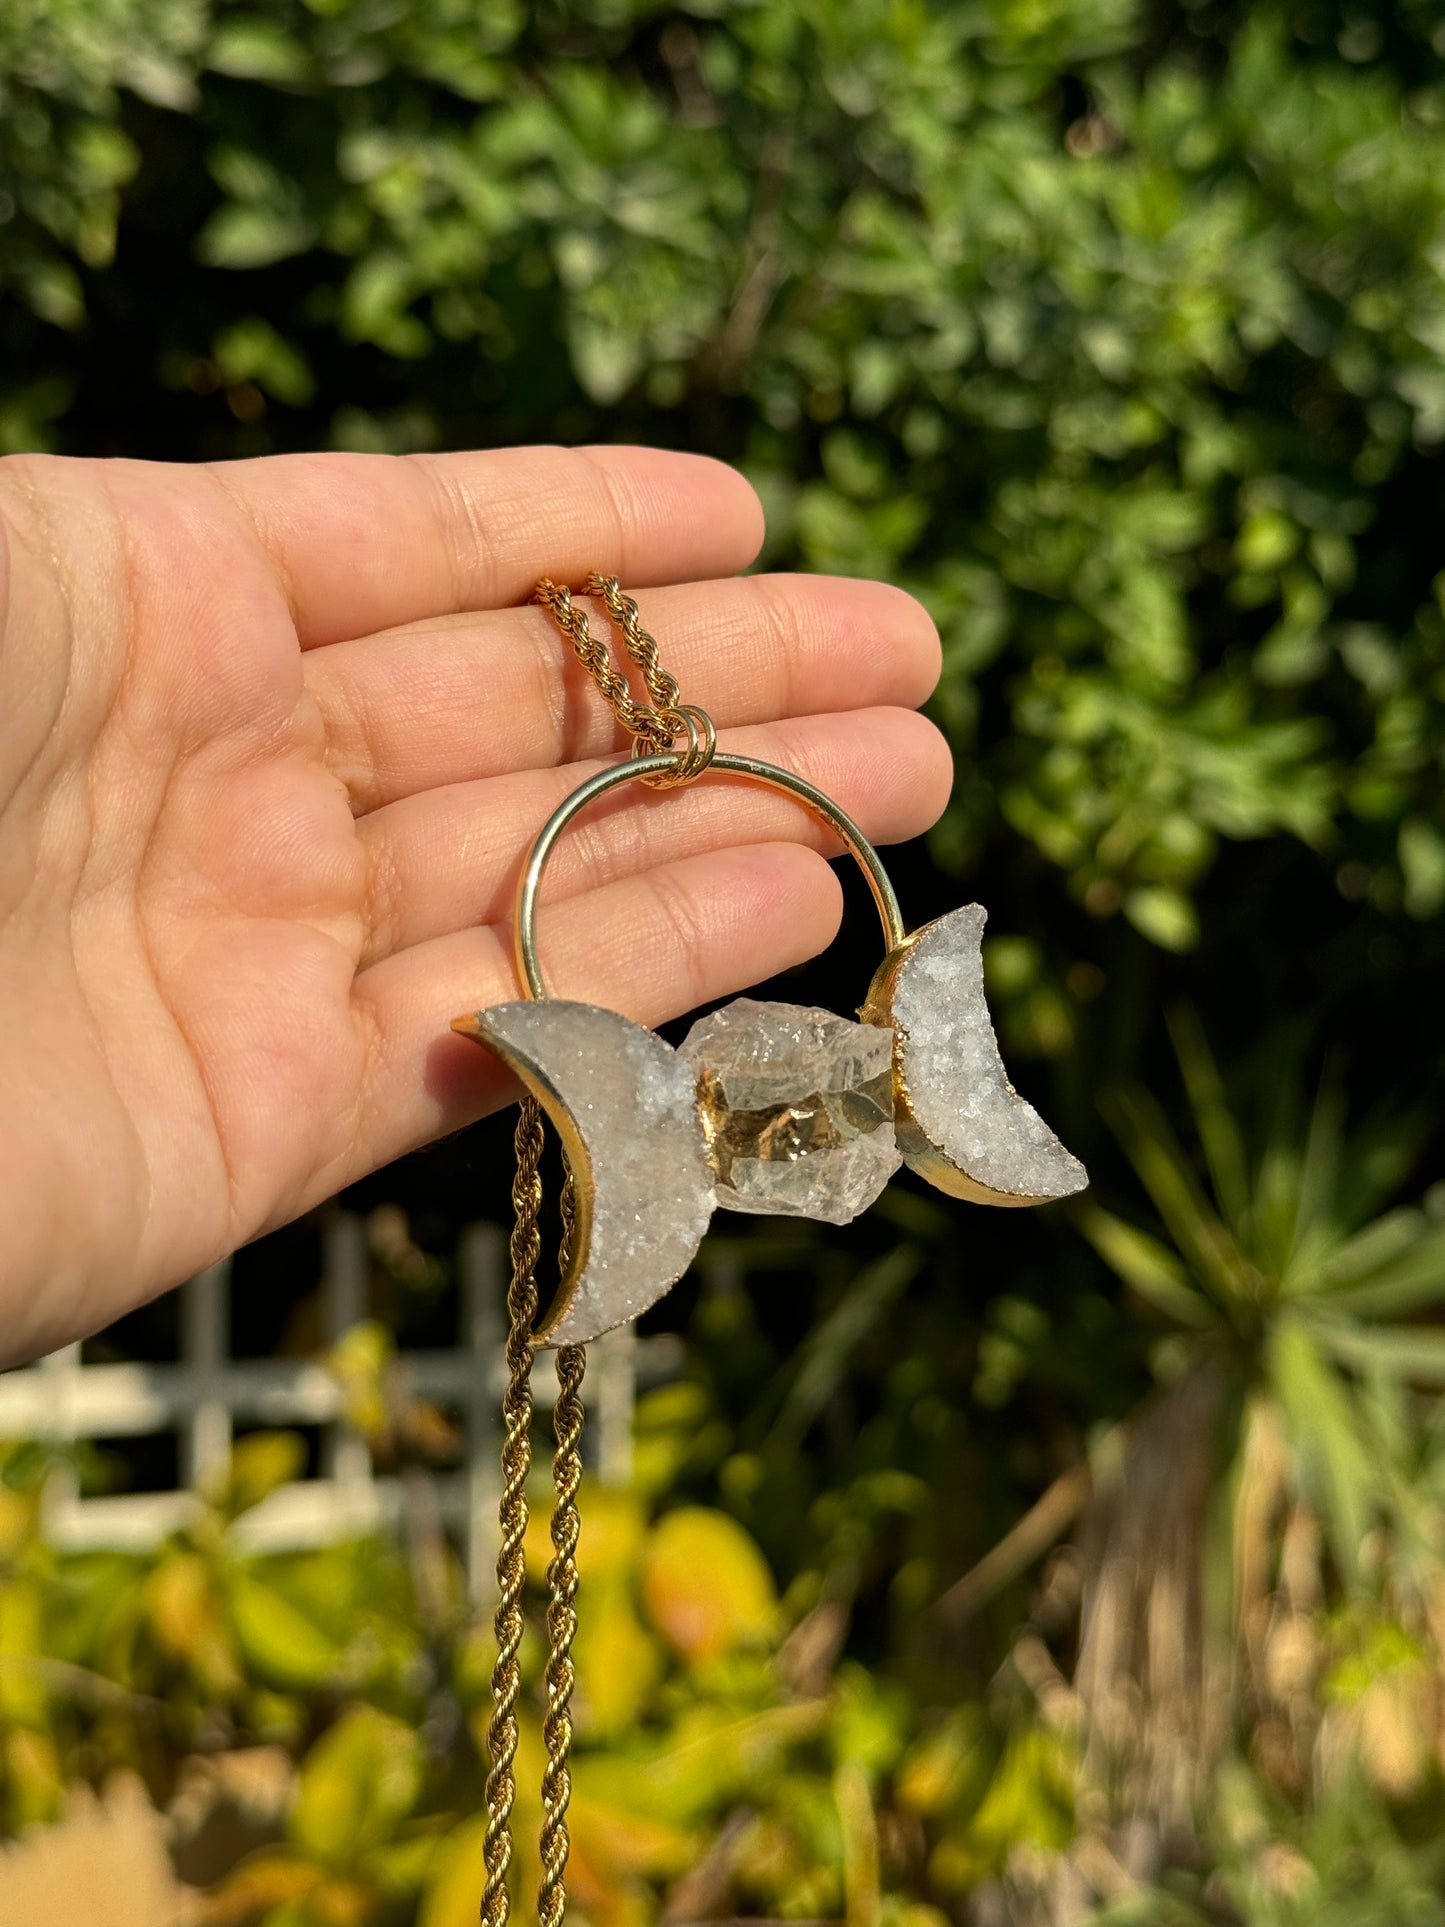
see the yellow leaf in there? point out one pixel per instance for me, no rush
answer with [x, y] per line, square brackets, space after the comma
[30, 1774]
[19, 1519]
[715, 1758]
[186, 1618]
[259, 1463]
[357, 1782]
[705, 1584]
[946, 1767]
[617, 1662]
[616, 1851]
[613, 1535]
[180, 1603]
[621, 1839]
[455, 1886]
[22, 1683]
[270, 1879]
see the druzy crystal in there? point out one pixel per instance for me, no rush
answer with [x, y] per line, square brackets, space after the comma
[962, 1102]
[798, 1107]
[644, 1180]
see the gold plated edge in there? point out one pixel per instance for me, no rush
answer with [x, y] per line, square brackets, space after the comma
[475, 1025]
[920, 1153]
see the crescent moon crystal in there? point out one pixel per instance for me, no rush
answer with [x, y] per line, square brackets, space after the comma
[624, 1106]
[959, 1122]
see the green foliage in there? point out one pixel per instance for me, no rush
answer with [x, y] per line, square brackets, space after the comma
[1126, 358]
[1288, 1268]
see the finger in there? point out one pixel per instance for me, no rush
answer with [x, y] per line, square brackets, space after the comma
[651, 946]
[449, 858]
[363, 542]
[450, 701]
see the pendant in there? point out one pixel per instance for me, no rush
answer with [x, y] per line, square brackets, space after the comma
[766, 1108]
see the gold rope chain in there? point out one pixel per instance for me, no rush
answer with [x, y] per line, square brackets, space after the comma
[652, 728]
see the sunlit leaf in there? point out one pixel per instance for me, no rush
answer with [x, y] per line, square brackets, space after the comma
[1413, 1353]
[259, 1463]
[360, 1778]
[23, 1696]
[705, 1585]
[1145, 1265]
[1215, 1259]
[1358, 1258]
[1326, 1435]
[617, 1660]
[279, 1640]
[454, 1884]
[1412, 1280]
[241, 237]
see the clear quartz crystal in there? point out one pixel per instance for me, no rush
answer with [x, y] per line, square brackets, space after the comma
[798, 1105]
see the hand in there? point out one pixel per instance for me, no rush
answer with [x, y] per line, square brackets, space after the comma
[273, 738]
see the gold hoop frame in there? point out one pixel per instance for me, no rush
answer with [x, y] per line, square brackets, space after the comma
[647, 769]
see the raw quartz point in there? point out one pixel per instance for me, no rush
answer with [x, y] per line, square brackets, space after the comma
[798, 1108]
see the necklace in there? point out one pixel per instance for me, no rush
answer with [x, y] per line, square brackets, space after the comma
[766, 1108]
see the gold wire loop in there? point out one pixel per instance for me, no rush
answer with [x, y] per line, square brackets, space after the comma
[694, 723]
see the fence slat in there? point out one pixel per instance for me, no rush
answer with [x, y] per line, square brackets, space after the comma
[202, 1395]
[205, 1341]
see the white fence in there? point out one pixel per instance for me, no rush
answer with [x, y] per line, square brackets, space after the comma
[201, 1396]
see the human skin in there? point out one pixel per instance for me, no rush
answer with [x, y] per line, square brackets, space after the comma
[274, 737]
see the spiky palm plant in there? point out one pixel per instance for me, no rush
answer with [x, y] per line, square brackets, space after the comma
[1289, 1457]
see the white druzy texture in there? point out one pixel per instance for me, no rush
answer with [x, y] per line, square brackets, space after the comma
[958, 1091]
[799, 1108]
[631, 1100]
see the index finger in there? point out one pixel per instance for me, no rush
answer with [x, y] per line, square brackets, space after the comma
[365, 542]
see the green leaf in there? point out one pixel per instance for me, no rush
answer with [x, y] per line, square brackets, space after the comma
[1218, 1132]
[259, 1463]
[361, 1777]
[285, 1647]
[1413, 1353]
[828, 1349]
[1411, 1281]
[1326, 1435]
[251, 350]
[1421, 847]
[248, 47]
[1164, 916]
[1145, 1265]
[1213, 1256]
[1356, 1259]
[239, 237]
[1319, 1167]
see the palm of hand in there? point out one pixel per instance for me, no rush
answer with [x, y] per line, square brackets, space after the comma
[272, 741]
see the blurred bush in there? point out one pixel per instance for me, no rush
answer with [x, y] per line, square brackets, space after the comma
[1083, 1577]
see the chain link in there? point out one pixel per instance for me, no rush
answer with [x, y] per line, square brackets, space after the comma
[653, 728]
[561, 1631]
[511, 1555]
